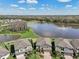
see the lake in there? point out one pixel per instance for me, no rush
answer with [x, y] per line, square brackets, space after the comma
[52, 30]
[7, 37]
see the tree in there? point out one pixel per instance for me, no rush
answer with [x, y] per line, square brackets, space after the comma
[12, 51]
[53, 48]
[62, 53]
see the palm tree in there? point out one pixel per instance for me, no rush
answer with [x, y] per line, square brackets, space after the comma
[62, 53]
[12, 51]
[53, 48]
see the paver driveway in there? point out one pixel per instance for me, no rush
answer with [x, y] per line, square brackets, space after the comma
[21, 56]
[47, 55]
[68, 57]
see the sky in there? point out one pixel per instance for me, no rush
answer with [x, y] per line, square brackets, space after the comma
[39, 7]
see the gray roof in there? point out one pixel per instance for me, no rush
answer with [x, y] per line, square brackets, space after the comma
[21, 43]
[63, 43]
[42, 42]
[75, 43]
[3, 52]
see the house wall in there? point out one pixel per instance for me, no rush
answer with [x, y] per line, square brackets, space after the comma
[45, 48]
[29, 48]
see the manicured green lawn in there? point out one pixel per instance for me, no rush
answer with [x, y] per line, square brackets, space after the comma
[35, 56]
[10, 57]
[28, 34]
[24, 34]
[55, 57]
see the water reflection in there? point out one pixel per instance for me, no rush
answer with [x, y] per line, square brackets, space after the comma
[52, 30]
[4, 37]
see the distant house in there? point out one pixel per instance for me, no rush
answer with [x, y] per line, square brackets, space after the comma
[4, 54]
[22, 46]
[44, 43]
[18, 26]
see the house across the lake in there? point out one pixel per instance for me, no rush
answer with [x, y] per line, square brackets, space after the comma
[18, 26]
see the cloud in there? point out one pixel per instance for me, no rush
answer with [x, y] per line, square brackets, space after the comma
[14, 5]
[42, 8]
[46, 7]
[71, 7]
[21, 1]
[64, 0]
[21, 8]
[75, 8]
[32, 1]
[32, 8]
[68, 6]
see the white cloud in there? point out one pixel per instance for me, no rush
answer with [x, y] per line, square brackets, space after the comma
[32, 1]
[42, 8]
[68, 6]
[71, 7]
[75, 8]
[21, 1]
[46, 7]
[32, 8]
[64, 0]
[14, 5]
[21, 8]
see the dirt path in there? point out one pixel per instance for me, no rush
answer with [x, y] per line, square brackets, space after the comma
[68, 57]
[47, 55]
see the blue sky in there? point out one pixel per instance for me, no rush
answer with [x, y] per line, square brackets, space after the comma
[39, 7]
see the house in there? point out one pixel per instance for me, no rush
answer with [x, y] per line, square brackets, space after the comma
[22, 46]
[64, 43]
[18, 26]
[44, 43]
[4, 54]
[75, 44]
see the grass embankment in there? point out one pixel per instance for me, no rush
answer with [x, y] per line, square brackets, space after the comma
[34, 55]
[55, 57]
[10, 57]
[24, 34]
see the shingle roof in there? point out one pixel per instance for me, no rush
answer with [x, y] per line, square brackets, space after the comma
[3, 52]
[75, 43]
[43, 42]
[63, 43]
[21, 43]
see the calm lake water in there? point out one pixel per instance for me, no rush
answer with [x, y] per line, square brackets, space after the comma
[52, 30]
[4, 38]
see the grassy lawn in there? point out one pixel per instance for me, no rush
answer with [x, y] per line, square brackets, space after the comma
[34, 56]
[23, 34]
[10, 57]
[28, 34]
[55, 57]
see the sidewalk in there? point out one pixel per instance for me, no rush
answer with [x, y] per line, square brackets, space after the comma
[68, 57]
[21, 56]
[47, 55]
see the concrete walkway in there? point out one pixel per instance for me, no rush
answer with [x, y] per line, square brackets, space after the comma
[47, 55]
[68, 57]
[21, 56]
